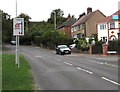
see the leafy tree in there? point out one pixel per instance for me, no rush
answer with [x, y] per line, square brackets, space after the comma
[82, 43]
[6, 27]
[59, 17]
[25, 16]
[52, 38]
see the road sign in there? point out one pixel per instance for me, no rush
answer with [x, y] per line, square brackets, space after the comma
[18, 26]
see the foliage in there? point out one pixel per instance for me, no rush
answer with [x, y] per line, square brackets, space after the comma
[52, 38]
[82, 43]
[6, 27]
[94, 37]
[25, 16]
[59, 17]
[113, 45]
[99, 42]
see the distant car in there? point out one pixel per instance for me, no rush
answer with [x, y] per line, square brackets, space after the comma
[72, 46]
[62, 49]
[13, 42]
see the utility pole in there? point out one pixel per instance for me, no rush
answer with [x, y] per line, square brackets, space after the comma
[54, 18]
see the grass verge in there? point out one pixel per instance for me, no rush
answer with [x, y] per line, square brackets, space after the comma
[14, 78]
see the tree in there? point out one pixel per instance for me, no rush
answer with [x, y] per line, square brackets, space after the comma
[6, 27]
[25, 16]
[59, 17]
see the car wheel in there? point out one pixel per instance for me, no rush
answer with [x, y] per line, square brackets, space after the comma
[61, 53]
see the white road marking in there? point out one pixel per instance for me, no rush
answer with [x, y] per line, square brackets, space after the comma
[110, 81]
[68, 63]
[79, 68]
[85, 70]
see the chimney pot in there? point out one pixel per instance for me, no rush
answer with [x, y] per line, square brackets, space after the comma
[89, 9]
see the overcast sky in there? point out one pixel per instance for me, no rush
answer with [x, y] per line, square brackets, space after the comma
[40, 10]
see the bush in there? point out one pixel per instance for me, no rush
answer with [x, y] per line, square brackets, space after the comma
[82, 44]
[113, 45]
[97, 48]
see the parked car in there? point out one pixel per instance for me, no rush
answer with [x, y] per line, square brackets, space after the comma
[72, 46]
[13, 42]
[62, 49]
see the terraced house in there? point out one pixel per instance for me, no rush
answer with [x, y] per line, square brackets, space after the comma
[108, 28]
[86, 25]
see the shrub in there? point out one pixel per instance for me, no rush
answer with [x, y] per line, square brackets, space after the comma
[113, 45]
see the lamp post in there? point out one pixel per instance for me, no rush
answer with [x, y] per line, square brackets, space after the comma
[54, 18]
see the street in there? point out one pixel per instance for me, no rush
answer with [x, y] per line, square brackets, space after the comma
[70, 72]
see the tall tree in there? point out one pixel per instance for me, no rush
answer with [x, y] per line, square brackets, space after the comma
[6, 27]
[58, 13]
[25, 16]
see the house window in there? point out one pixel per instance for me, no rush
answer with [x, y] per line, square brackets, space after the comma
[104, 39]
[72, 30]
[102, 27]
[112, 24]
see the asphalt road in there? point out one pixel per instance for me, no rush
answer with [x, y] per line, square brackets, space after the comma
[70, 72]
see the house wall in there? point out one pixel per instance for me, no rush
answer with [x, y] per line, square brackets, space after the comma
[76, 30]
[91, 27]
[113, 33]
[109, 33]
[66, 30]
[102, 32]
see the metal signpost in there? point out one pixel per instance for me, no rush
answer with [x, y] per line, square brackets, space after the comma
[18, 30]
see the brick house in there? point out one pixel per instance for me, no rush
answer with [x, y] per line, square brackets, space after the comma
[86, 25]
[65, 26]
[108, 28]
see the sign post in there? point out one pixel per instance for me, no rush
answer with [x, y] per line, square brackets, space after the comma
[18, 30]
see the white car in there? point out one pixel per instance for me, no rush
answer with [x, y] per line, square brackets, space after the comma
[13, 42]
[72, 46]
[62, 49]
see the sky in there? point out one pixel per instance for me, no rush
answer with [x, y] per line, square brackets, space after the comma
[40, 10]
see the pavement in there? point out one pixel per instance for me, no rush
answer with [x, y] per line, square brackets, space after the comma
[112, 60]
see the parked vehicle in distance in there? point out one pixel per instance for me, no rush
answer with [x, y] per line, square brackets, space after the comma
[13, 42]
[62, 49]
[72, 46]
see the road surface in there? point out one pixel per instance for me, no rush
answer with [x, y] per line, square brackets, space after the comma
[70, 72]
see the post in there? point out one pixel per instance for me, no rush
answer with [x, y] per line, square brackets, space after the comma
[54, 19]
[17, 43]
[91, 49]
[18, 53]
[105, 48]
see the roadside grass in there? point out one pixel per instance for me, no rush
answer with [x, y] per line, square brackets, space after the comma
[14, 78]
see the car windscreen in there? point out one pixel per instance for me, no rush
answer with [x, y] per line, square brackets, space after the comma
[63, 47]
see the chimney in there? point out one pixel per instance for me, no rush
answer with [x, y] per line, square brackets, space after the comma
[81, 15]
[89, 9]
[69, 16]
[73, 16]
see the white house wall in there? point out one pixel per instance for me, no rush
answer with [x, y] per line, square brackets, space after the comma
[103, 32]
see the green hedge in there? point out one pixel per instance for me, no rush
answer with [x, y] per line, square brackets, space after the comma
[113, 45]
